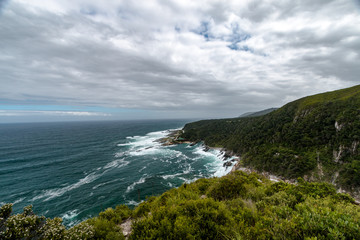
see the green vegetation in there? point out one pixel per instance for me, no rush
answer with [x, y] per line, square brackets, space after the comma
[27, 225]
[315, 137]
[236, 206]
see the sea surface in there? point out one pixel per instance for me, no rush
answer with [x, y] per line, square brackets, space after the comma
[74, 170]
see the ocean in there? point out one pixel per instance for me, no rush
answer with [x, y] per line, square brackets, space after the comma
[75, 170]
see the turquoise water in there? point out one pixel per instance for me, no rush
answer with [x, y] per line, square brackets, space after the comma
[75, 170]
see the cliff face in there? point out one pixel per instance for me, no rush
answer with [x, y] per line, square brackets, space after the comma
[315, 137]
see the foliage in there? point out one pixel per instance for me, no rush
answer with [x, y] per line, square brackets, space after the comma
[251, 208]
[321, 130]
[27, 225]
[236, 206]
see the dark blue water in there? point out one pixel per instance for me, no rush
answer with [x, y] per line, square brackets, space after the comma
[75, 170]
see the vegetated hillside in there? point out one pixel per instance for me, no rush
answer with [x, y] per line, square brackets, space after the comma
[236, 206]
[315, 137]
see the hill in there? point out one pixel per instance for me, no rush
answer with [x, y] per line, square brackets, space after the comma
[259, 113]
[315, 137]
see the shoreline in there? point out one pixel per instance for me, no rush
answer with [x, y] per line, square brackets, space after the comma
[173, 138]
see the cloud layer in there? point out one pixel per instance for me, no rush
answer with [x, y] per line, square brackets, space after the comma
[180, 58]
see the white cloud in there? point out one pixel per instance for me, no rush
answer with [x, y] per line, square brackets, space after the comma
[176, 55]
[11, 113]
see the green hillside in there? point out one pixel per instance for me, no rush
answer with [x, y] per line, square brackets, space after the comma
[315, 137]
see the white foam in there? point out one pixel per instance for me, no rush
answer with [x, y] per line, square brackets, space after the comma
[148, 145]
[222, 171]
[162, 151]
[19, 200]
[118, 163]
[132, 137]
[171, 176]
[99, 185]
[53, 193]
[132, 202]
[123, 144]
[147, 140]
[132, 186]
[217, 161]
[213, 153]
[188, 180]
[102, 184]
[120, 154]
[187, 170]
[142, 169]
[69, 216]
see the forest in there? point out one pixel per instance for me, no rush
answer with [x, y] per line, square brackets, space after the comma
[316, 137]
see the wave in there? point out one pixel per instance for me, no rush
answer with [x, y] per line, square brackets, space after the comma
[118, 163]
[213, 153]
[188, 180]
[70, 214]
[133, 203]
[142, 168]
[146, 140]
[19, 200]
[70, 217]
[104, 183]
[171, 176]
[123, 144]
[132, 186]
[216, 166]
[53, 193]
[163, 152]
[50, 194]
[120, 154]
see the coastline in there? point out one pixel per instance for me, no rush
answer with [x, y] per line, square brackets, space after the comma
[174, 138]
[229, 157]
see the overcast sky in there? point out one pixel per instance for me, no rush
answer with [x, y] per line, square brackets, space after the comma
[113, 59]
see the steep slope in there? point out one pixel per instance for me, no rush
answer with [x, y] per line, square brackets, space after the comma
[315, 137]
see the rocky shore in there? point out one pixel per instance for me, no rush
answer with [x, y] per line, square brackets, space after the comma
[172, 138]
[229, 157]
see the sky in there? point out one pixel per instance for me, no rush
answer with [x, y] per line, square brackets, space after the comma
[64, 60]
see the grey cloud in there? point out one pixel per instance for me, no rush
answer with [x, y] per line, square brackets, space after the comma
[132, 56]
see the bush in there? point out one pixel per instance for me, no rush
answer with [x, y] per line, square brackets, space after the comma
[232, 186]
